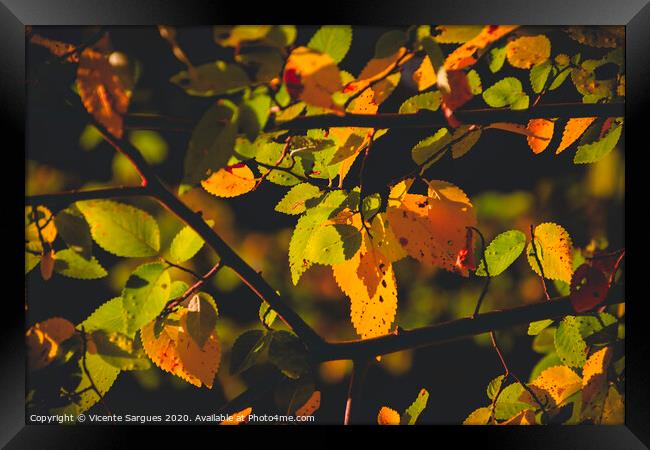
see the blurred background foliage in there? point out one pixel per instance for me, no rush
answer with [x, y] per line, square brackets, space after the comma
[510, 188]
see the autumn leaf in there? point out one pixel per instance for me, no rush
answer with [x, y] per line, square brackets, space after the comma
[44, 220]
[554, 385]
[425, 75]
[613, 409]
[388, 416]
[231, 181]
[102, 92]
[543, 131]
[527, 51]
[554, 250]
[310, 406]
[433, 228]
[463, 56]
[525, 417]
[574, 128]
[312, 77]
[480, 416]
[589, 287]
[376, 69]
[412, 413]
[175, 351]
[594, 382]
[43, 340]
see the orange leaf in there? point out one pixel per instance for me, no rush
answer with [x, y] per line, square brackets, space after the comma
[57, 48]
[311, 405]
[572, 131]
[101, 90]
[388, 416]
[527, 51]
[43, 341]
[554, 385]
[230, 181]
[594, 382]
[47, 265]
[175, 351]
[463, 56]
[433, 229]
[375, 69]
[425, 75]
[238, 418]
[543, 131]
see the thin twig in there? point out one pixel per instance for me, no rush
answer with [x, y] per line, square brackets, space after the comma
[67, 197]
[84, 350]
[486, 285]
[184, 269]
[359, 370]
[173, 303]
[539, 263]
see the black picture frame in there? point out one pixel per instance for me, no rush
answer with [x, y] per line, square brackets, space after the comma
[16, 14]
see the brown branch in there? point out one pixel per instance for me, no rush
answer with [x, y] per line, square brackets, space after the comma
[93, 386]
[457, 329]
[61, 199]
[430, 119]
[359, 370]
[173, 303]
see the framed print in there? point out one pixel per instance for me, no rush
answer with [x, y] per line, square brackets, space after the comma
[394, 215]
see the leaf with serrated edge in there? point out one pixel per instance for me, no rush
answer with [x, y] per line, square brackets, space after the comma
[572, 131]
[334, 40]
[294, 200]
[230, 181]
[186, 244]
[121, 229]
[569, 344]
[145, 294]
[502, 252]
[71, 264]
[554, 250]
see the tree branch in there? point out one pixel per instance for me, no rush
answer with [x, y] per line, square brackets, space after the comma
[456, 329]
[431, 119]
[67, 197]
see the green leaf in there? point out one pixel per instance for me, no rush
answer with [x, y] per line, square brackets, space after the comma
[212, 79]
[177, 289]
[334, 40]
[145, 294]
[287, 353]
[248, 349]
[267, 315]
[544, 342]
[110, 317]
[71, 264]
[103, 376]
[590, 153]
[294, 201]
[428, 100]
[479, 416]
[389, 43]
[371, 205]
[569, 344]
[74, 230]
[186, 244]
[497, 57]
[506, 92]
[121, 229]
[534, 328]
[412, 413]
[428, 150]
[494, 386]
[539, 75]
[508, 403]
[201, 317]
[434, 52]
[464, 145]
[120, 350]
[561, 76]
[253, 114]
[474, 81]
[212, 142]
[502, 252]
[333, 244]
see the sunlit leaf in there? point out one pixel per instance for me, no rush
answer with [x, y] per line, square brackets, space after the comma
[543, 131]
[428, 100]
[463, 56]
[506, 92]
[502, 252]
[145, 294]
[43, 340]
[412, 413]
[527, 51]
[539, 75]
[569, 344]
[456, 34]
[71, 264]
[230, 181]
[312, 77]
[121, 229]
[480, 416]
[238, 418]
[201, 317]
[294, 200]
[589, 153]
[388, 416]
[43, 219]
[119, 350]
[110, 317]
[334, 40]
[186, 244]
[574, 128]
[555, 385]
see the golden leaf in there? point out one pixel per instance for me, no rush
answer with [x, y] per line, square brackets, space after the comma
[425, 75]
[388, 416]
[238, 418]
[433, 229]
[102, 92]
[45, 223]
[311, 405]
[613, 409]
[543, 132]
[594, 382]
[480, 416]
[525, 417]
[47, 265]
[175, 351]
[230, 181]
[527, 51]
[572, 131]
[554, 250]
[463, 56]
[43, 341]
[553, 385]
[313, 77]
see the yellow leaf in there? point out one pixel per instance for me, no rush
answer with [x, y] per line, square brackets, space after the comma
[527, 51]
[398, 191]
[463, 56]
[433, 229]
[313, 77]
[238, 418]
[525, 417]
[375, 69]
[479, 416]
[388, 416]
[311, 405]
[554, 250]
[572, 131]
[382, 89]
[102, 91]
[230, 181]
[47, 265]
[425, 75]
[43, 341]
[175, 351]
[383, 239]
[45, 222]
[553, 385]
[613, 409]
[594, 382]
[543, 131]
